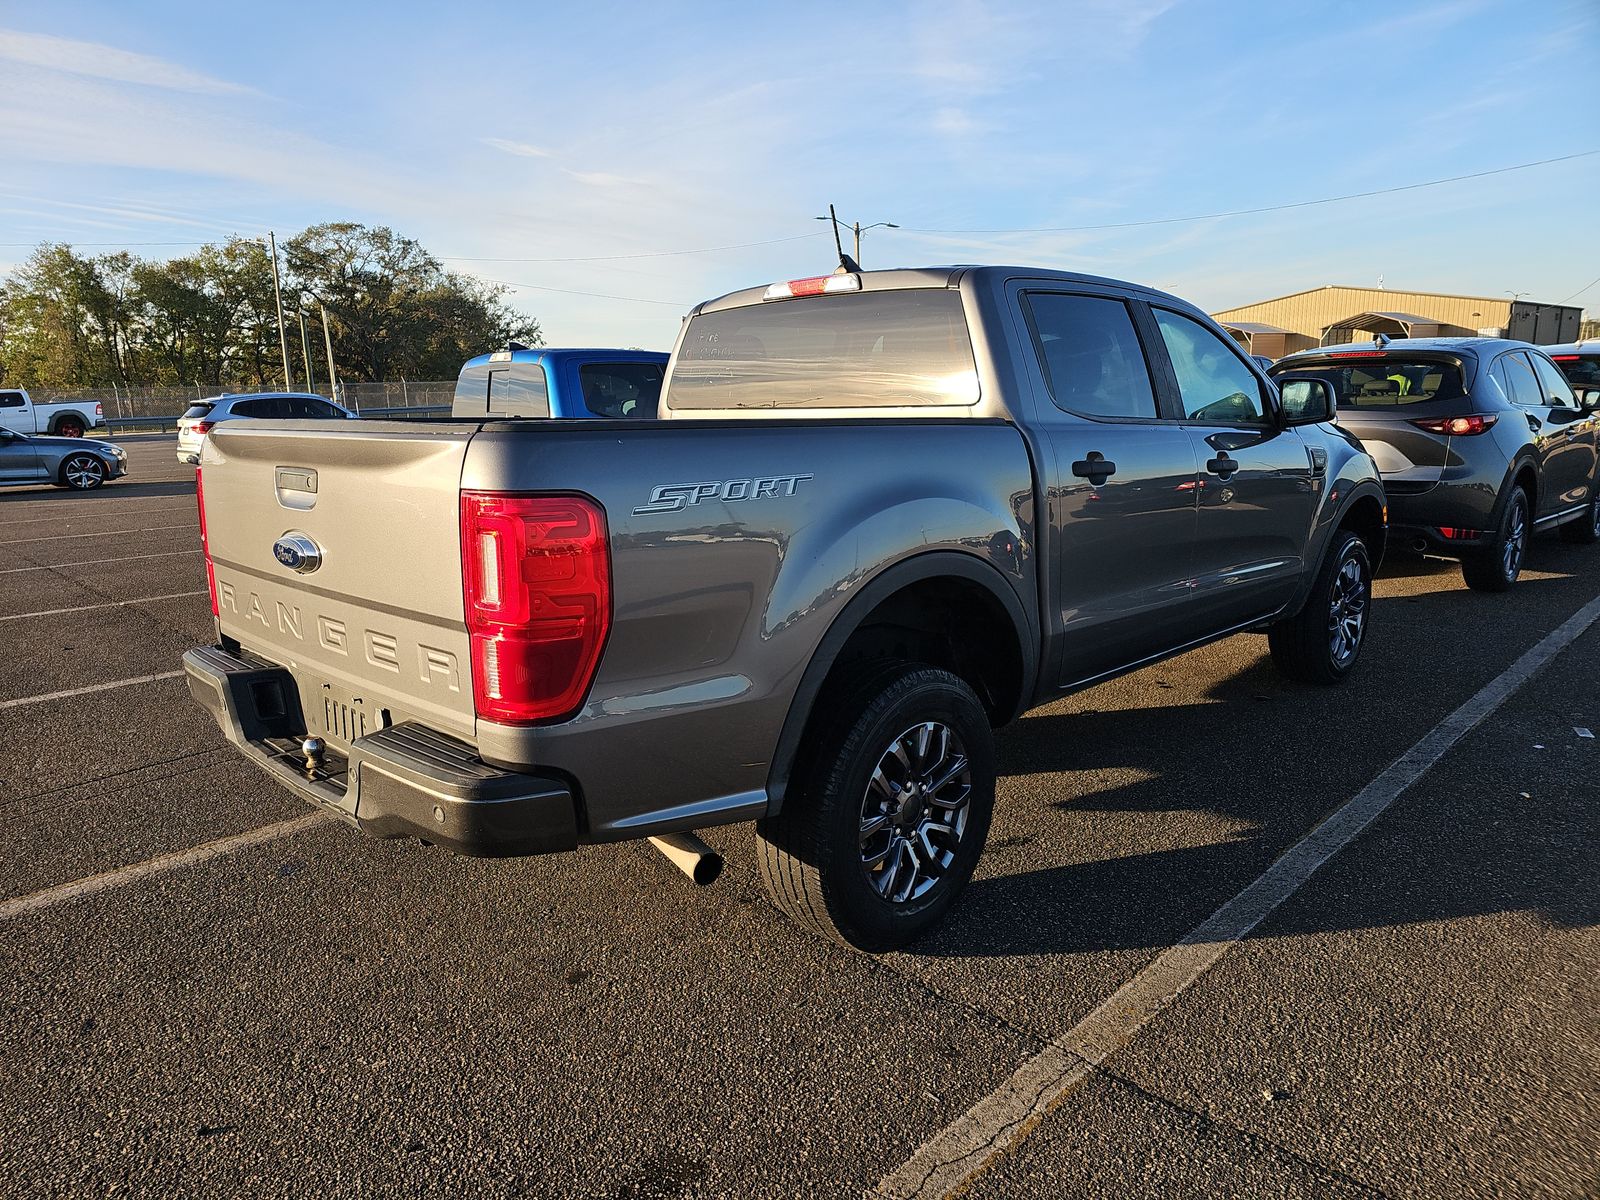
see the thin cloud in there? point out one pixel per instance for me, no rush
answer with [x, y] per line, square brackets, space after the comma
[520, 149]
[100, 61]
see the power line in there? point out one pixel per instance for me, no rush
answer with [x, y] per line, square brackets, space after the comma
[539, 287]
[1245, 212]
[1580, 291]
[799, 237]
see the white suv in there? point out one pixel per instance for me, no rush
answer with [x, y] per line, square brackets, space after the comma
[283, 406]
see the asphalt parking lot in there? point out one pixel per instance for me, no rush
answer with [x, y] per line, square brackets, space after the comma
[311, 1010]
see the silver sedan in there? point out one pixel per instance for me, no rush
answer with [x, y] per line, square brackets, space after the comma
[81, 463]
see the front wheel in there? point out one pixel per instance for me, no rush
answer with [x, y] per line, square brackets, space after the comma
[83, 472]
[1497, 568]
[890, 812]
[1320, 643]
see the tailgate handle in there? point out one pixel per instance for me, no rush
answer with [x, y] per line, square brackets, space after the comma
[296, 487]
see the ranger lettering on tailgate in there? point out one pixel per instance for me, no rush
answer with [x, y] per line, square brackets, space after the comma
[434, 665]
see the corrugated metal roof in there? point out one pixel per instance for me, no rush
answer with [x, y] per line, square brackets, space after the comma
[1253, 327]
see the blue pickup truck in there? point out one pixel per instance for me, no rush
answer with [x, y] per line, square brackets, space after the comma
[519, 382]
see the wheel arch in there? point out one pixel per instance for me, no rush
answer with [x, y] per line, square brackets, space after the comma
[944, 587]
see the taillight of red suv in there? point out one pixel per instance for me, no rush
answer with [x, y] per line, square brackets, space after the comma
[536, 578]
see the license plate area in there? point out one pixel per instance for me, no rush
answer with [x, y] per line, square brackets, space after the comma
[337, 715]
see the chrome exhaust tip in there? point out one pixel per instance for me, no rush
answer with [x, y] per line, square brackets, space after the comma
[690, 855]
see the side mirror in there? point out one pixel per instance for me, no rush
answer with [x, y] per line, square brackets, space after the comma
[1307, 402]
[1589, 399]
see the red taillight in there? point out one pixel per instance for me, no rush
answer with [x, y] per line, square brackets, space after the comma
[1456, 534]
[1359, 354]
[202, 426]
[1563, 358]
[99, 410]
[536, 576]
[1456, 426]
[205, 546]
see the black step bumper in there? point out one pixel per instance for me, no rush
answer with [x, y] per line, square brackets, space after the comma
[403, 781]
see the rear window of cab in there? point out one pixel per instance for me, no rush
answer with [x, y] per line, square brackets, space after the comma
[873, 349]
[1581, 370]
[1382, 381]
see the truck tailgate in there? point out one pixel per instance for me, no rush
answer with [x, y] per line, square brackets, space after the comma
[367, 611]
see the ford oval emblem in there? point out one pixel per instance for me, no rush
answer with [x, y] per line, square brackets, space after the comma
[297, 552]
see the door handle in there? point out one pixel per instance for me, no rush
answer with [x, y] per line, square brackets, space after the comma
[1222, 466]
[1097, 468]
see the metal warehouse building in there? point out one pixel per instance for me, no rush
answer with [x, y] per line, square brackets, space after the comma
[1326, 316]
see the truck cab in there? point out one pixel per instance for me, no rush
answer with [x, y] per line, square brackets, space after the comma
[523, 382]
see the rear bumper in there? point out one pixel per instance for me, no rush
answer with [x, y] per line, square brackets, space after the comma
[403, 781]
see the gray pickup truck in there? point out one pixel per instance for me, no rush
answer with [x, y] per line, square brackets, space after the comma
[884, 514]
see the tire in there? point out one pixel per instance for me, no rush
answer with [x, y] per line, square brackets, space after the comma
[907, 725]
[1585, 531]
[1321, 643]
[69, 427]
[1498, 566]
[82, 472]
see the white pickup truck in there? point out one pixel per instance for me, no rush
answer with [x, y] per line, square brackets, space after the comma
[70, 418]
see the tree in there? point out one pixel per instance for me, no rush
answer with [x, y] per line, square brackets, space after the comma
[68, 320]
[394, 311]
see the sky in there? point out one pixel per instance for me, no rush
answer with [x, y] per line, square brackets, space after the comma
[579, 152]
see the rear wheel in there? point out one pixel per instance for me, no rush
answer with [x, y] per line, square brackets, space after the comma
[890, 813]
[1496, 568]
[83, 472]
[69, 427]
[1586, 529]
[1320, 643]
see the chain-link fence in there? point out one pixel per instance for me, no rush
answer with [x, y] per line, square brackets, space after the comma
[162, 406]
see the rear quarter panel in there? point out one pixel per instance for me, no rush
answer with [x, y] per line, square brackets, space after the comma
[718, 606]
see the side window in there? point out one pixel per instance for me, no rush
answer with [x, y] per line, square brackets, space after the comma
[621, 389]
[1091, 356]
[11, 400]
[518, 390]
[1521, 384]
[1213, 382]
[1557, 390]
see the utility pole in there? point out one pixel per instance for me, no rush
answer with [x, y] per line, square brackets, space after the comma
[327, 342]
[277, 295]
[857, 228]
[305, 351]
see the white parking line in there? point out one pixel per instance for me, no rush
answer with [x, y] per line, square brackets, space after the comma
[95, 562]
[952, 1158]
[93, 687]
[63, 537]
[80, 515]
[123, 876]
[56, 612]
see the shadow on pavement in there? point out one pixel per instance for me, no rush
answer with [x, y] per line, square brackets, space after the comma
[1274, 757]
[109, 494]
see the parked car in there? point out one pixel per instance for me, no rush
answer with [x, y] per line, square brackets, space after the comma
[560, 383]
[202, 416]
[1481, 442]
[71, 462]
[1579, 362]
[66, 418]
[1262, 361]
[883, 513]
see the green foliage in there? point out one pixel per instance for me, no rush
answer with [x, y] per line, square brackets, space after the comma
[69, 320]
